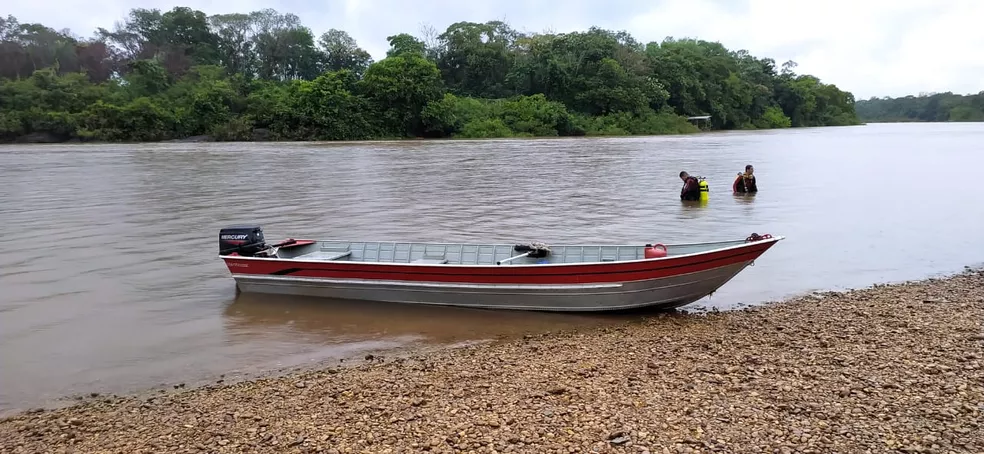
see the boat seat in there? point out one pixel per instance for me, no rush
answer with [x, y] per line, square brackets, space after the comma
[338, 255]
[431, 260]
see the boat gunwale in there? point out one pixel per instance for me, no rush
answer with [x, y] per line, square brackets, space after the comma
[454, 284]
[771, 239]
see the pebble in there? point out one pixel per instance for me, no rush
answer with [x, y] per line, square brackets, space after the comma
[872, 370]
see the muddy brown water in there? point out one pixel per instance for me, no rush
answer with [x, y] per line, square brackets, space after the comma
[110, 283]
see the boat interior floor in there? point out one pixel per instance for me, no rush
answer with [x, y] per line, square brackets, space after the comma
[480, 254]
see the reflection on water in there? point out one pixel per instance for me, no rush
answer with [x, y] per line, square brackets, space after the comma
[330, 321]
[110, 279]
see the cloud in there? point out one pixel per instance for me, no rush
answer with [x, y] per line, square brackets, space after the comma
[869, 47]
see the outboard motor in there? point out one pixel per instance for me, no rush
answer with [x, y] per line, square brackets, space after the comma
[246, 240]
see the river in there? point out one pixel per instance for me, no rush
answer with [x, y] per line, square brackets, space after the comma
[110, 280]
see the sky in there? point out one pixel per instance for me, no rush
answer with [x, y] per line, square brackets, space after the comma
[868, 47]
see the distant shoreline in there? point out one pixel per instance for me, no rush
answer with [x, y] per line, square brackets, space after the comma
[908, 120]
[209, 139]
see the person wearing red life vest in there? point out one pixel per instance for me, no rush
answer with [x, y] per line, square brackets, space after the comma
[745, 182]
[691, 187]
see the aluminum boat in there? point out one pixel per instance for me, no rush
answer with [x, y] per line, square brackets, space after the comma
[534, 276]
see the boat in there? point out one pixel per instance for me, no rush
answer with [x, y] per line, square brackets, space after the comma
[531, 276]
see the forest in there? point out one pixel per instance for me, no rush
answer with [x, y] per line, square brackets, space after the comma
[263, 75]
[925, 107]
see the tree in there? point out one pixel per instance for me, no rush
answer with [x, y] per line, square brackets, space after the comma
[926, 107]
[404, 43]
[235, 35]
[342, 52]
[475, 59]
[399, 87]
[179, 38]
[263, 75]
[285, 49]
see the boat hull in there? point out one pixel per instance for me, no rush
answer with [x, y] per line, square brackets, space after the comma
[581, 278]
[663, 292]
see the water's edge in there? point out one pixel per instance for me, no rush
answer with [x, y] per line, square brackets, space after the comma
[111, 281]
[423, 350]
[206, 139]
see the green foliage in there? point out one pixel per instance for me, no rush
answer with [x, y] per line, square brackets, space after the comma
[624, 124]
[398, 88]
[237, 129]
[532, 115]
[404, 44]
[142, 119]
[486, 128]
[341, 52]
[448, 115]
[263, 75]
[928, 107]
[526, 116]
[773, 117]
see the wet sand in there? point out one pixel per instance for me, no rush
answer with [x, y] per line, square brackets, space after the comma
[892, 368]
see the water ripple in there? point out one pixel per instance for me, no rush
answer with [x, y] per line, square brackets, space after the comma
[110, 278]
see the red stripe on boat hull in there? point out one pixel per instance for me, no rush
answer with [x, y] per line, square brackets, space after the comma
[538, 274]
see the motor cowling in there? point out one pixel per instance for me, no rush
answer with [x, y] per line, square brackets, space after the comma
[245, 240]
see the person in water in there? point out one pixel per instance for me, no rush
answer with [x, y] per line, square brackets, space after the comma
[745, 182]
[691, 187]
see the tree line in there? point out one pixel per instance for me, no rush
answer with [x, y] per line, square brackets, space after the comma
[265, 76]
[925, 107]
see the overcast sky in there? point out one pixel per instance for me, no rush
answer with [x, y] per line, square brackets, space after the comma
[868, 47]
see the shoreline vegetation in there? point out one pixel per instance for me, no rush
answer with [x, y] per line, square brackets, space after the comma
[929, 107]
[889, 368]
[264, 76]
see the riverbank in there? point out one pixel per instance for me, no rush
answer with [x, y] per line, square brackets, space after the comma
[893, 368]
[265, 136]
[42, 139]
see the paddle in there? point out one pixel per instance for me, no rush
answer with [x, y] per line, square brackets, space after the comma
[535, 250]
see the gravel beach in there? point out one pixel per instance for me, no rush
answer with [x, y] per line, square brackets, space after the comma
[893, 368]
